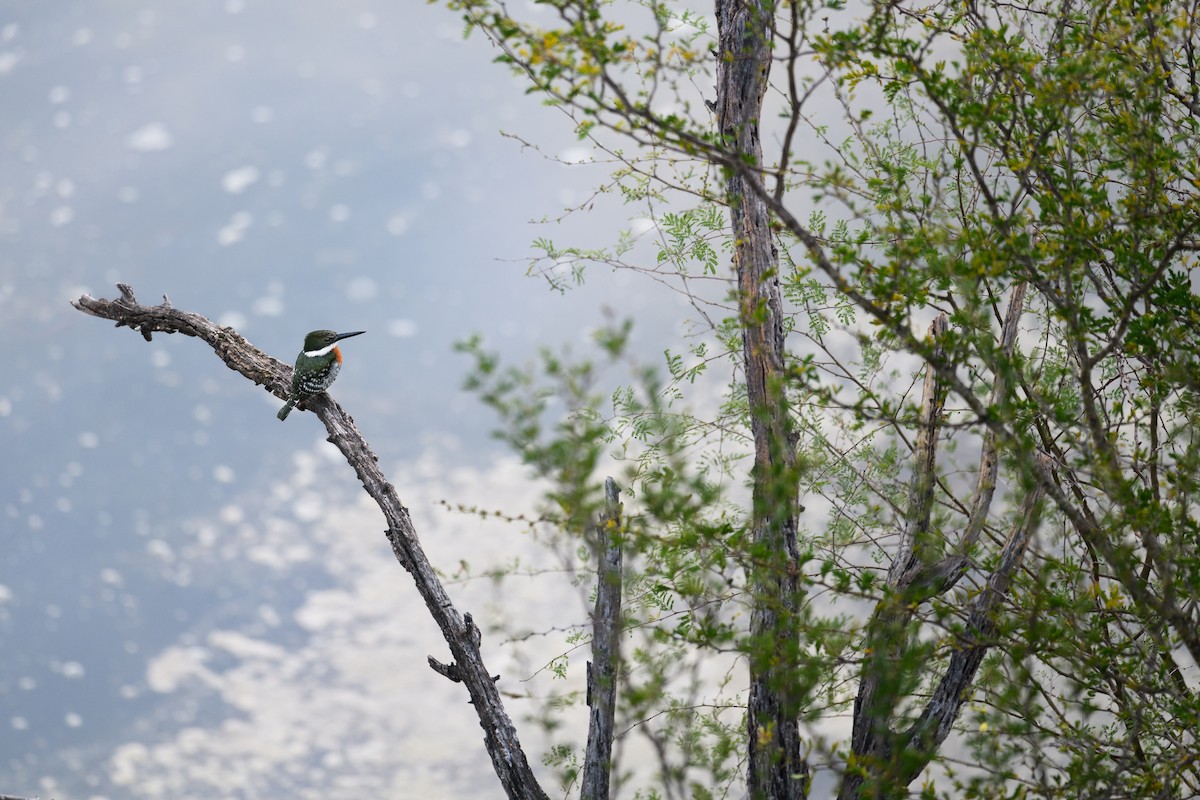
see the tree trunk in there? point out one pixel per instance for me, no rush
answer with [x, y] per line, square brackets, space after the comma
[777, 767]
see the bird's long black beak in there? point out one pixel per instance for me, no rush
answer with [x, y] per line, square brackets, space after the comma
[341, 336]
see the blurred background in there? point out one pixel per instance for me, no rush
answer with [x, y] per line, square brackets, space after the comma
[195, 599]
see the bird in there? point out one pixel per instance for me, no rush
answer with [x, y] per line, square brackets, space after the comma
[316, 367]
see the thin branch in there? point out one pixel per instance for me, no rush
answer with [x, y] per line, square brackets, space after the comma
[989, 461]
[913, 551]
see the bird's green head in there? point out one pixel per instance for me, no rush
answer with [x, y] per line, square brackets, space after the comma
[317, 341]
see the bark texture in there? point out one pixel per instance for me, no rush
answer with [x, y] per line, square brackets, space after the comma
[777, 766]
[460, 632]
[606, 629]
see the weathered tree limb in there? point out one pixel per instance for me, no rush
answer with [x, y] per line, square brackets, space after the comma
[777, 767]
[989, 459]
[942, 576]
[606, 628]
[912, 552]
[889, 760]
[925, 735]
[459, 631]
[881, 682]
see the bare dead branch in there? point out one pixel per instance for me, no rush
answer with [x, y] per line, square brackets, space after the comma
[937, 719]
[606, 629]
[989, 461]
[238, 354]
[942, 576]
[913, 550]
[459, 631]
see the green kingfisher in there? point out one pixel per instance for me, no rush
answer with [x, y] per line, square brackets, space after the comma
[316, 367]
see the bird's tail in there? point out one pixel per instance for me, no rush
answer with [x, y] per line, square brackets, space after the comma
[287, 409]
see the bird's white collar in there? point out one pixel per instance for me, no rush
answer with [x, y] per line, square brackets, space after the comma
[323, 351]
